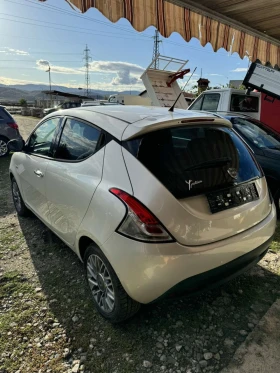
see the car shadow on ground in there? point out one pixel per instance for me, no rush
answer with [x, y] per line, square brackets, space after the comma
[214, 321]
[174, 333]
[5, 187]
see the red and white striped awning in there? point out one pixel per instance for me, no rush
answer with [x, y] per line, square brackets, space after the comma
[194, 19]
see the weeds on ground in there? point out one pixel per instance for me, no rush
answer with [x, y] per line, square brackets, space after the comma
[275, 246]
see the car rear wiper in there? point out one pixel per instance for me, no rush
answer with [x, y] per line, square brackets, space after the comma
[212, 163]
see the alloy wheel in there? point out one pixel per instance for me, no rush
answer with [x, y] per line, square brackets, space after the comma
[100, 283]
[16, 196]
[3, 148]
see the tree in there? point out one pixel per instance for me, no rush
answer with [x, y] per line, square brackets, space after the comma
[242, 87]
[22, 102]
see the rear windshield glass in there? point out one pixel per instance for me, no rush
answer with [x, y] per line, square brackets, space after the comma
[4, 115]
[244, 103]
[195, 160]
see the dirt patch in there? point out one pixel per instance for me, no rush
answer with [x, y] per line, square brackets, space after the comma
[48, 323]
[26, 124]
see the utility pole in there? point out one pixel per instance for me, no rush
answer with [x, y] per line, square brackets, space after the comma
[87, 59]
[156, 48]
[50, 83]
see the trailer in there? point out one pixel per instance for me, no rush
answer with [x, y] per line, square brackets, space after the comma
[160, 80]
[129, 100]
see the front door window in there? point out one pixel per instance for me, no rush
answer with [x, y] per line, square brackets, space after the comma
[42, 140]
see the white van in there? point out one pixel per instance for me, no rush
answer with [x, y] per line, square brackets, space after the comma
[229, 100]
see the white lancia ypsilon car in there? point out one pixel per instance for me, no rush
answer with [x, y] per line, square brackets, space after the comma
[153, 202]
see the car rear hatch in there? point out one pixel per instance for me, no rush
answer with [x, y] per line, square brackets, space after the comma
[198, 178]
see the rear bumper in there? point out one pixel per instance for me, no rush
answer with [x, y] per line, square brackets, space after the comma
[221, 274]
[149, 271]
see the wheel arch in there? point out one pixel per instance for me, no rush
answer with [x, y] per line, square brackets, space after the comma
[5, 138]
[273, 184]
[84, 242]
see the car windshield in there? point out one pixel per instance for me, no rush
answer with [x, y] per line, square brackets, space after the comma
[256, 133]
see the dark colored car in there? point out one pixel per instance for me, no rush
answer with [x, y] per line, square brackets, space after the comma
[8, 131]
[265, 143]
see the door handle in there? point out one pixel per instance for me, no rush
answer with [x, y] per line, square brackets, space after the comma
[38, 173]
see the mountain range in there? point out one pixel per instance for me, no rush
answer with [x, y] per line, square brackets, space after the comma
[31, 92]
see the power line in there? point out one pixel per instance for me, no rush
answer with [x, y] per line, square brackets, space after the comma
[37, 60]
[59, 24]
[45, 40]
[113, 36]
[70, 13]
[63, 29]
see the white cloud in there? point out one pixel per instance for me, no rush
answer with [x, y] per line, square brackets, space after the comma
[124, 73]
[214, 74]
[44, 64]
[11, 81]
[11, 51]
[109, 86]
[127, 73]
[240, 70]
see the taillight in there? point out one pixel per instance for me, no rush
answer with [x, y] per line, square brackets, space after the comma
[139, 223]
[13, 125]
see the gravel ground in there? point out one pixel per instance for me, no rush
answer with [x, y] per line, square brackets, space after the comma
[48, 323]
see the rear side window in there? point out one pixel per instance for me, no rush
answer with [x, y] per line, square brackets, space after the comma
[195, 160]
[4, 115]
[211, 102]
[242, 103]
[78, 141]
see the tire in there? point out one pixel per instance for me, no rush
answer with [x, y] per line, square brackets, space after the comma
[3, 147]
[109, 297]
[20, 207]
[277, 203]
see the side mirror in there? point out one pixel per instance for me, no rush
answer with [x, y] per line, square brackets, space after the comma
[16, 145]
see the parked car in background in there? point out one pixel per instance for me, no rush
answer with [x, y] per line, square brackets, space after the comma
[265, 143]
[99, 103]
[8, 130]
[63, 106]
[153, 202]
[93, 102]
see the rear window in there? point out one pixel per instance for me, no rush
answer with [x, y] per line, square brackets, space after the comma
[242, 103]
[4, 115]
[195, 160]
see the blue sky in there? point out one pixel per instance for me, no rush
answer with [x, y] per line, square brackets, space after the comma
[33, 34]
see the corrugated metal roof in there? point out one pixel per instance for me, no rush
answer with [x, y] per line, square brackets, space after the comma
[248, 27]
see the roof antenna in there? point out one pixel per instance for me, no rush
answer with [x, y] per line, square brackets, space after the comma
[173, 106]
